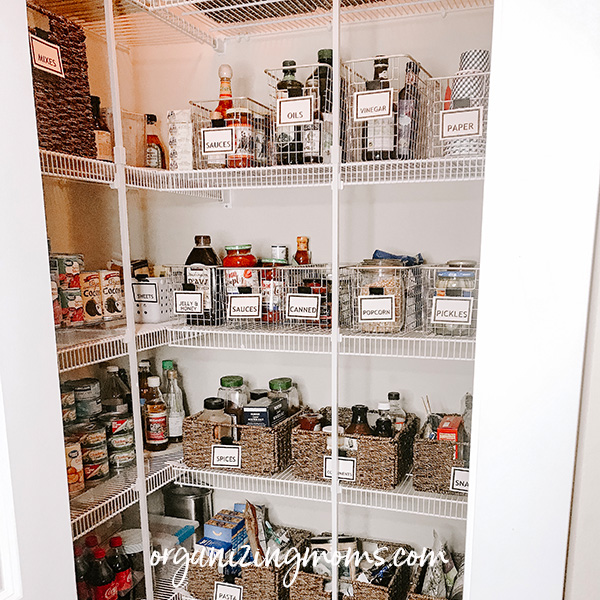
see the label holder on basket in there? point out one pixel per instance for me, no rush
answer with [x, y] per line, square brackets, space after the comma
[376, 309]
[461, 123]
[375, 104]
[451, 309]
[244, 306]
[346, 468]
[303, 306]
[227, 591]
[295, 111]
[145, 291]
[217, 140]
[459, 481]
[226, 456]
[46, 56]
[188, 303]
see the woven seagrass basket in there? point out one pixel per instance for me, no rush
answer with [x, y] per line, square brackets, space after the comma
[265, 450]
[418, 575]
[259, 583]
[381, 463]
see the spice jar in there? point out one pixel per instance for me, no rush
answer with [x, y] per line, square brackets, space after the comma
[282, 387]
[214, 411]
[311, 421]
[359, 424]
[242, 275]
[243, 138]
[235, 394]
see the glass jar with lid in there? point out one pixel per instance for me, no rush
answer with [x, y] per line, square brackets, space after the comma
[239, 271]
[243, 138]
[457, 279]
[234, 392]
[283, 387]
[214, 411]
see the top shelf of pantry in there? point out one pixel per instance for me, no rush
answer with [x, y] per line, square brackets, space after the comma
[148, 22]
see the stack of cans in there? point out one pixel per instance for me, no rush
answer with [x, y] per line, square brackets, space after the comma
[120, 439]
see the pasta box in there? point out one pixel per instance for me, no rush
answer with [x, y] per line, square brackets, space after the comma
[451, 429]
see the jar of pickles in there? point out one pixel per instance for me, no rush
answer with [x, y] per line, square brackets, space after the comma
[243, 138]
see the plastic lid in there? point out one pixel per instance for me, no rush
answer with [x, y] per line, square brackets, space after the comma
[239, 247]
[393, 395]
[281, 383]
[112, 369]
[214, 403]
[301, 238]
[132, 541]
[258, 394]
[154, 381]
[91, 541]
[274, 261]
[288, 63]
[202, 240]
[462, 263]
[116, 541]
[383, 406]
[150, 119]
[99, 553]
[231, 381]
[78, 551]
[167, 364]
[456, 274]
[227, 440]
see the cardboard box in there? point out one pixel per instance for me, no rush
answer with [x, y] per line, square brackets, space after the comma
[265, 412]
[452, 429]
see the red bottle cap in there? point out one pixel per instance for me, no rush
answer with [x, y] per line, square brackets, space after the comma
[91, 541]
[78, 551]
[116, 541]
[99, 553]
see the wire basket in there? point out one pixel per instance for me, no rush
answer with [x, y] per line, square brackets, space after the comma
[387, 104]
[153, 299]
[240, 140]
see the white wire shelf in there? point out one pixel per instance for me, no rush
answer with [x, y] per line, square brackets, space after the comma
[99, 504]
[402, 499]
[66, 166]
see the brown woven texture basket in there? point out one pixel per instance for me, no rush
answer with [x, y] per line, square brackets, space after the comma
[433, 462]
[309, 586]
[265, 450]
[418, 575]
[63, 107]
[259, 583]
[381, 463]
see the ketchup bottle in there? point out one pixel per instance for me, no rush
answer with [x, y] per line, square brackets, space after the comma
[121, 565]
[101, 578]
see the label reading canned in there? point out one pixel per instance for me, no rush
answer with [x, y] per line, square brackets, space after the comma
[303, 306]
[157, 430]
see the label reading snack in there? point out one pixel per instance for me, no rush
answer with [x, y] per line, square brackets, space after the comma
[460, 480]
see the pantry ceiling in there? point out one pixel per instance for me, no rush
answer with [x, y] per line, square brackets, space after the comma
[150, 22]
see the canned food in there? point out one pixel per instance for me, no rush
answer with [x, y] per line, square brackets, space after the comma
[71, 303]
[96, 471]
[120, 442]
[122, 458]
[69, 414]
[74, 467]
[88, 408]
[88, 434]
[94, 454]
[67, 396]
[84, 389]
[117, 423]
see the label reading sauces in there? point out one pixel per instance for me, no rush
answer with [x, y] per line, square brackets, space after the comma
[303, 306]
[295, 111]
[376, 309]
[346, 468]
[226, 456]
[46, 56]
[188, 303]
[372, 105]
[227, 591]
[460, 480]
[452, 310]
[218, 140]
[461, 123]
[244, 306]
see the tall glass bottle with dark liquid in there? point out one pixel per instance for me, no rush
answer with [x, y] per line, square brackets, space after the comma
[408, 113]
[289, 137]
[379, 135]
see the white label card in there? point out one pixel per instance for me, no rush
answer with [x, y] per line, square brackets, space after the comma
[447, 309]
[226, 456]
[346, 468]
[145, 292]
[218, 140]
[460, 480]
[373, 105]
[295, 111]
[376, 309]
[303, 306]
[244, 306]
[46, 56]
[227, 591]
[188, 303]
[461, 123]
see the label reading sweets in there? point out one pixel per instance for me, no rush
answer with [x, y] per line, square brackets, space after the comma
[244, 306]
[373, 105]
[303, 306]
[452, 310]
[145, 292]
[218, 140]
[227, 591]
[461, 123]
[346, 468]
[188, 303]
[376, 309]
[295, 111]
[46, 56]
[226, 456]
[460, 480]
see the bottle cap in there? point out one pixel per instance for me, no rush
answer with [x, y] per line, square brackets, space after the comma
[227, 440]
[225, 71]
[301, 239]
[78, 551]
[231, 381]
[214, 404]
[258, 394]
[383, 406]
[167, 364]
[144, 363]
[150, 119]
[239, 247]
[99, 553]
[91, 541]
[112, 369]
[288, 63]
[116, 541]
[325, 54]
[281, 383]
[202, 240]
[154, 381]
[171, 374]
[393, 395]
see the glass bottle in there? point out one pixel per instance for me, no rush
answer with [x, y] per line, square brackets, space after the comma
[225, 96]
[167, 365]
[216, 160]
[289, 137]
[323, 76]
[104, 145]
[235, 395]
[143, 374]
[359, 424]
[155, 151]
[302, 256]
[408, 113]
[120, 563]
[156, 424]
[312, 133]
[174, 402]
[101, 578]
[214, 411]
[379, 134]
[283, 387]
[397, 412]
[384, 426]
[81, 567]
[114, 396]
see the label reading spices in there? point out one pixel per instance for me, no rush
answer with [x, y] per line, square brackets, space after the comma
[452, 310]
[244, 306]
[460, 480]
[226, 456]
[303, 306]
[461, 123]
[188, 303]
[373, 104]
[376, 309]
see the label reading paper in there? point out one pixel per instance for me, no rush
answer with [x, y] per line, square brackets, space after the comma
[461, 123]
[460, 480]
[188, 303]
[226, 456]
[145, 292]
[227, 591]
[218, 140]
[346, 468]
[373, 105]
[46, 56]
[244, 306]
[295, 111]
[452, 310]
[376, 309]
[303, 306]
